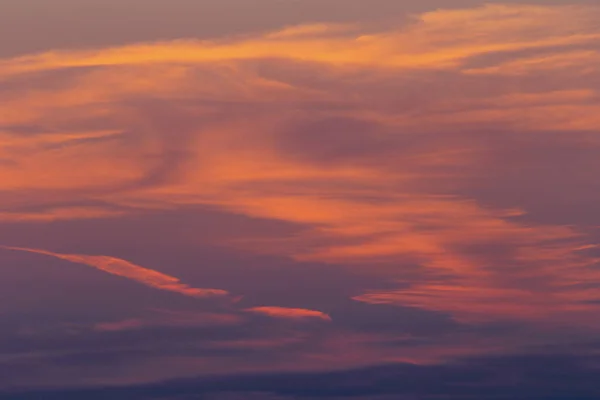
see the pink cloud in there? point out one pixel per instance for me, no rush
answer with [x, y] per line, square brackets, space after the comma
[233, 136]
[125, 269]
[290, 313]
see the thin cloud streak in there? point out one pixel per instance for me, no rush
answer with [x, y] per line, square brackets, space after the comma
[424, 43]
[158, 280]
[125, 269]
[289, 313]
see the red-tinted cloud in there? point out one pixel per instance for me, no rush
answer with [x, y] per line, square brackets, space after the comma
[291, 313]
[119, 267]
[423, 154]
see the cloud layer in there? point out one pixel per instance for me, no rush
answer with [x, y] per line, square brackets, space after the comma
[452, 157]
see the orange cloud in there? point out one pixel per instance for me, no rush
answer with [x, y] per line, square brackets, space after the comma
[119, 267]
[290, 313]
[435, 39]
[230, 131]
[572, 61]
[158, 280]
[60, 213]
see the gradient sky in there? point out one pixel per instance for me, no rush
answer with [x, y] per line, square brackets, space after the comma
[299, 199]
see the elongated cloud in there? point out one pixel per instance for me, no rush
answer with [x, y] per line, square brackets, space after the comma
[438, 39]
[158, 280]
[290, 313]
[119, 267]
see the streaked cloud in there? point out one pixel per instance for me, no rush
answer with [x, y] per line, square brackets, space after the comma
[158, 280]
[291, 313]
[438, 39]
[125, 269]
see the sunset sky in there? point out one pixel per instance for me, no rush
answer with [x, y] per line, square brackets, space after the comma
[299, 199]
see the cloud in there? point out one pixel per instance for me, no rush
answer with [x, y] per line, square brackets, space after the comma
[119, 267]
[169, 318]
[420, 154]
[577, 61]
[158, 280]
[438, 39]
[290, 313]
[59, 214]
[530, 377]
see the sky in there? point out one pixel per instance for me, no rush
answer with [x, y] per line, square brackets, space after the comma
[299, 199]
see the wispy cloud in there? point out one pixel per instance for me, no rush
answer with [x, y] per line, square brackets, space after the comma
[438, 39]
[158, 280]
[419, 153]
[168, 318]
[125, 269]
[290, 313]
